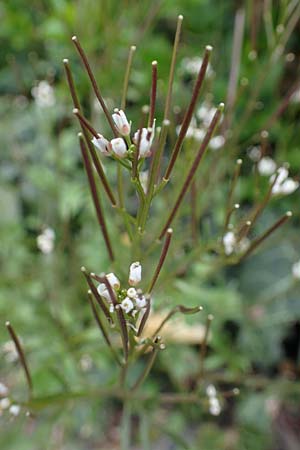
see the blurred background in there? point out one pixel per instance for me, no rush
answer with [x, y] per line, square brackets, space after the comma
[48, 227]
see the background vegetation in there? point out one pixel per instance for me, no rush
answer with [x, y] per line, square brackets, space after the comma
[256, 332]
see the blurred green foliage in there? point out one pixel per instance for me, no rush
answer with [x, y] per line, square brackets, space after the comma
[255, 339]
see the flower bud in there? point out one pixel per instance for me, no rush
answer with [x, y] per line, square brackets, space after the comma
[135, 273]
[102, 144]
[119, 147]
[103, 291]
[121, 122]
[141, 302]
[113, 280]
[146, 139]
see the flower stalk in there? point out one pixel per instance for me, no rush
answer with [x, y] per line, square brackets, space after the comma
[194, 168]
[96, 89]
[189, 112]
[21, 355]
[95, 196]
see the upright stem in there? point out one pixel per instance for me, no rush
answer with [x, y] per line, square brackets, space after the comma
[21, 355]
[189, 112]
[153, 94]
[126, 426]
[126, 78]
[91, 148]
[204, 345]
[194, 167]
[172, 68]
[95, 196]
[266, 234]
[161, 259]
[239, 24]
[94, 84]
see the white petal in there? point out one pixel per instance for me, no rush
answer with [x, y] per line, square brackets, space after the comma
[135, 273]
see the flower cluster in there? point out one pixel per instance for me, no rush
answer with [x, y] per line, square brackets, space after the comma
[283, 184]
[131, 300]
[45, 241]
[232, 244]
[214, 404]
[43, 94]
[197, 131]
[5, 402]
[121, 146]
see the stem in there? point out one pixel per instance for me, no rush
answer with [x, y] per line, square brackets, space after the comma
[102, 328]
[126, 78]
[85, 123]
[194, 167]
[96, 294]
[120, 315]
[146, 370]
[153, 94]
[126, 426]
[91, 148]
[266, 234]
[154, 172]
[95, 196]
[94, 84]
[189, 112]
[161, 259]
[204, 345]
[172, 68]
[194, 221]
[239, 25]
[120, 186]
[22, 356]
[71, 84]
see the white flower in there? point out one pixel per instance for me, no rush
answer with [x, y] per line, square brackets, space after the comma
[266, 166]
[127, 305]
[198, 134]
[216, 142]
[144, 176]
[113, 280]
[45, 241]
[192, 66]
[283, 185]
[10, 352]
[243, 245]
[14, 410]
[296, 96]
[141, 302]
[121, 122]
[229, 242]
[135, 273]
[206, 113]
[119, 147]
[131, 293]
[102, 144]
[211, 390]
[4, 403]
[296, 270]
[43, 94]
[86, 363]
[214, 406]
[147, 136]
[289, 186]
[254, 153]
[3, 390]
[103, 291]
[192, 132]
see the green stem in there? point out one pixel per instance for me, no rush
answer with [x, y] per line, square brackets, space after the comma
[126, 426]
